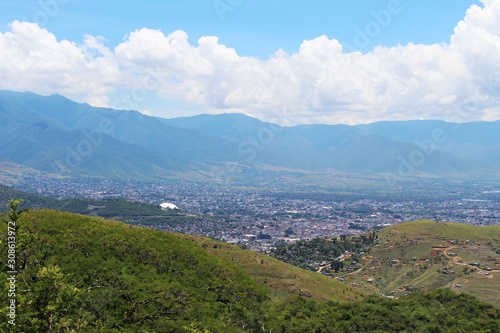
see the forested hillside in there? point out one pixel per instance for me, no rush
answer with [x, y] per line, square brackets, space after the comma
[87, 274]
[91, 274]
[116, 209]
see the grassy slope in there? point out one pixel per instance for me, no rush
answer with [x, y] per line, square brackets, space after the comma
[121, 267]
[127, 272]
[422, 237]
[284, 279]
[137, 280]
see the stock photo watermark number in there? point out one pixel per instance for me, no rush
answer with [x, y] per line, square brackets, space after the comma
[12, 272]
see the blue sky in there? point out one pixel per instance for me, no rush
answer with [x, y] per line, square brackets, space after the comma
[252, 27]
[412, 60]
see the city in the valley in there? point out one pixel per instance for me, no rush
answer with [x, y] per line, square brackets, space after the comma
[263, 218]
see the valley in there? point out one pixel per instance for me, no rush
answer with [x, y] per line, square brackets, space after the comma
[270, 233]
[250, 166]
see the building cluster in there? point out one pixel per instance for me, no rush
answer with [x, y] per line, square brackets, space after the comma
[262, 219]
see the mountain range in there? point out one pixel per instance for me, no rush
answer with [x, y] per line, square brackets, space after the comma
[57, 135]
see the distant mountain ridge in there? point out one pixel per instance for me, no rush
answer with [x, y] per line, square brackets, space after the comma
[380, 147]
[55, 134]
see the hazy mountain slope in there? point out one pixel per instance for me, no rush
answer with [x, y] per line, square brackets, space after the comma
[351, 149]
[257, 141]
[326, 137]
[62, 111]
[129, 144]
[389, 148]
[475, 140]
[56, 150]
[231, 126]
[57, 144]
[479, 133]
[128, 126]
[376, 154]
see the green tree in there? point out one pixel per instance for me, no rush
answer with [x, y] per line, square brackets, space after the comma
[46, 302]
[14, 215]
[51, 304]
[288, 232]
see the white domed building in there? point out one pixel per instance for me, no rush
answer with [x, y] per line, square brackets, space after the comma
[168, 206]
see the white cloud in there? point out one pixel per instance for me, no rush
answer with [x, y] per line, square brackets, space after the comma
[458, 80]
[32, 59]
[448, 100]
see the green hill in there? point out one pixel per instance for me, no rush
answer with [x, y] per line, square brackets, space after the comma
[282, 278]
[88, 274]
[129, 279]
[30, 200]
[425, 255]
[116, 209]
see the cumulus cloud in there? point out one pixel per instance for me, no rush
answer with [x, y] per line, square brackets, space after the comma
[322, 82]
[32, 59]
